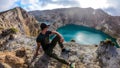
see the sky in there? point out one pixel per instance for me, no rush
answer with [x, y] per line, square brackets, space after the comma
[109, 6]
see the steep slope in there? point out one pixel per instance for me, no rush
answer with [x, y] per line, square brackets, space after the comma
[95, 18]
[19, 19]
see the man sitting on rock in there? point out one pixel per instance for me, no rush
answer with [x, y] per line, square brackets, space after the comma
[47, 46]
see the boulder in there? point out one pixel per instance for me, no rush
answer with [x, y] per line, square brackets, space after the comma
[108, 55]
[21, 52]
[14, 61]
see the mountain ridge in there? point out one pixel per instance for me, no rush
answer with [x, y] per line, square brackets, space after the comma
[95, 18]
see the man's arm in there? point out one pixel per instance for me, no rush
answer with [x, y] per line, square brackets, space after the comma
[58, 34]
[37, 49]
[36, 53]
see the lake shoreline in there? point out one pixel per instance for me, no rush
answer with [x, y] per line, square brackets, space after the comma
[88, 29]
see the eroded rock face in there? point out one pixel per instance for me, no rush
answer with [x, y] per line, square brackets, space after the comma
[12, 60]
[9, 60]
[19, 19]
[15, 22]
[6, 36]
[24, 47]
[108, 55]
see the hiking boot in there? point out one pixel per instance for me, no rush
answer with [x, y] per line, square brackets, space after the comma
[65, 50]
[72, 65]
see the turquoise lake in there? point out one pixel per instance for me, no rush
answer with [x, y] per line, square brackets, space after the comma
[83, 35]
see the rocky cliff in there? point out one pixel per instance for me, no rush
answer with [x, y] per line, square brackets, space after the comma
[20, 52]
[21, 49]
[95, 18]
[19, 19]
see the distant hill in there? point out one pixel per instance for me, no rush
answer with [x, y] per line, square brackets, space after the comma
[90, 17]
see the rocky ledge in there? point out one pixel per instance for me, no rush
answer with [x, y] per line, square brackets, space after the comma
[22, 49]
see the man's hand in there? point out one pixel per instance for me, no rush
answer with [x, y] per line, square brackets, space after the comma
[61, 39]
[34, 57]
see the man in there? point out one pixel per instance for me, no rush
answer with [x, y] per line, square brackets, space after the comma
[47, 46]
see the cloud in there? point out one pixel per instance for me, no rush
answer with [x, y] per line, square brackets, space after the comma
[7, 4]
[67, 2]
[26, 2]
[48, 4]
[93, 3]
[47, 7]
[113, 8]
[109, 6]
[112, 11]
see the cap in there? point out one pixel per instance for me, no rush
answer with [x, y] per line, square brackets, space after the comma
[43, 25]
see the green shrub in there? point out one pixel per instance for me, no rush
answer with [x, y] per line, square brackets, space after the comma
[13, 30]
[72, 40]
[109, 41]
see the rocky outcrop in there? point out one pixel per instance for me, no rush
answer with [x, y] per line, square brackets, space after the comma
[5, 37]
[22, 49]
[95, 18]
[83, 56]
[15, 22]
[17, 52]
[9, 60]
[118, 41]
[19, 19]
[108, 55]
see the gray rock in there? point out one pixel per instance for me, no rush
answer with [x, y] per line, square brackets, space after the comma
[108, 55]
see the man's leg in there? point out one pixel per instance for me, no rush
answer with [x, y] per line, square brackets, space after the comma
[53, 55]
[54, 42]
